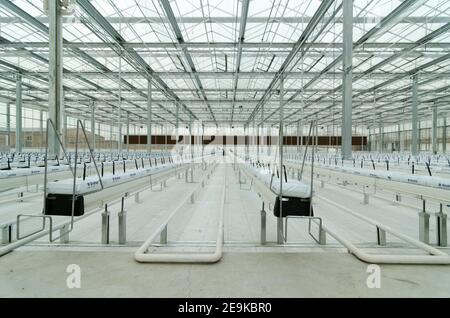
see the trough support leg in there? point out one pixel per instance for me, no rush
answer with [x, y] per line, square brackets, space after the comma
[163, 236]
[105, 225]
[64, 234]
[322, 237]
[365, 198]
[381, 237]
[441, 228]
[122, 224]
[424, 227]
[6, 234]
[263, 225]
[136, 198]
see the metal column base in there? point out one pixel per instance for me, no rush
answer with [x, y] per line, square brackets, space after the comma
[424, 227]
[6, 234]
[64, 234]
[105, 226]
[122, 227]
[441, 229]
[381, 237]
[365, 198]
[136, 198]
[163, 236]
[263, 225]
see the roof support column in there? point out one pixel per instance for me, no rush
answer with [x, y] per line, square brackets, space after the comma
[128, 131]
[177, 125]
[444, 135]
[380, 134]
[347, 80]
[41, 129]
[399, 138]
[119, 110]
[8, 125]
[434, 130]
[92, 125]
[415, 130]
[253, 136]
[149, 116]
[55, 66]
[280, 234]
[262, 131]
[111, 133]
[19, 130]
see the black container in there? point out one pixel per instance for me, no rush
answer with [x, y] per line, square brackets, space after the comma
[293, 206]
[61, 204]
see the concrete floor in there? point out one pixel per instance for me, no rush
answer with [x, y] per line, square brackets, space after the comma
[116, 274]
[301, 269]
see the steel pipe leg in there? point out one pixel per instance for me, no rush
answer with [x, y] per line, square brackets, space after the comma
[136, 198]
[64, 234]
[441, 228]
[6, 234]
[122, 227]
[163, 236]
[381, 237]
[105, 226]
[322, 236]
[280, 239]
[263, 225]
[365, 198]
[424, 227]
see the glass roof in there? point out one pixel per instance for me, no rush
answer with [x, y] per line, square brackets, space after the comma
[220, 59]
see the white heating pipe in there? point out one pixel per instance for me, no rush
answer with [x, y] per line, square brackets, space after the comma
[143, 257]
[437, 257]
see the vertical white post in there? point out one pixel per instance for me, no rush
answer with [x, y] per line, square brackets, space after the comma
[149, 116]
[19, 130]
[8, 125]
[347, 80]
[55, 70]
[434, 130]
[128, 131]
[280, 168]
[444, 135]
[92, 125]
[415, 130]
[119, 109]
